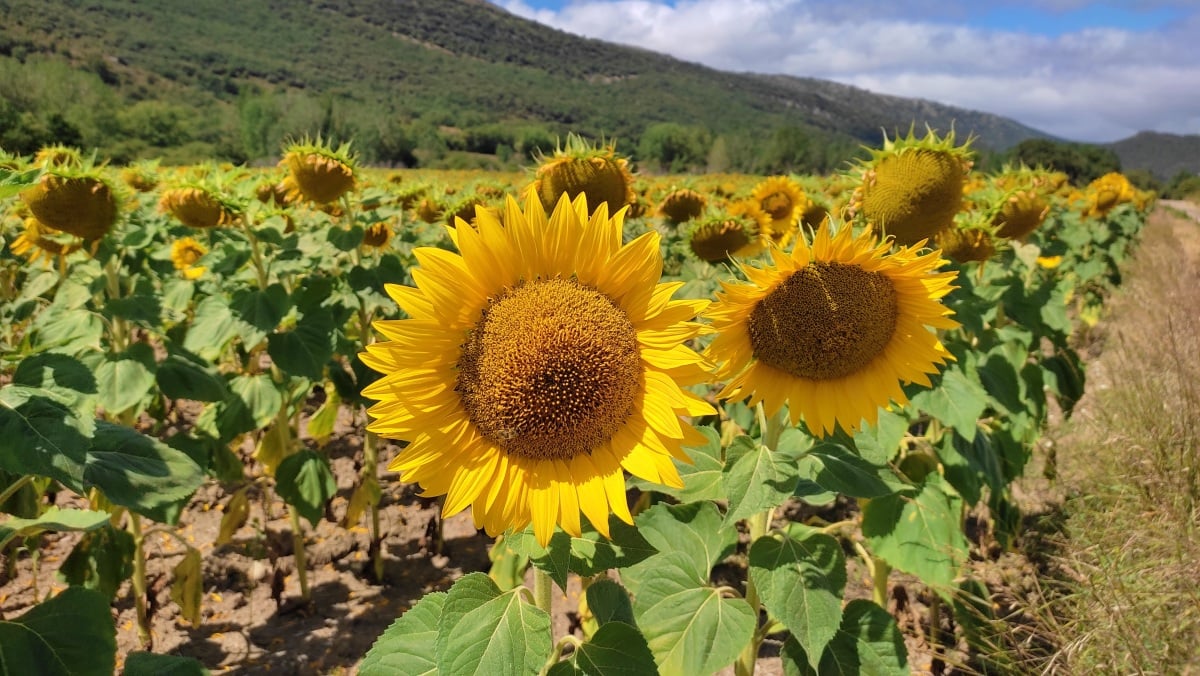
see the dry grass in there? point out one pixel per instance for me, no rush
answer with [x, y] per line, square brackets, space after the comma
[1131, 467]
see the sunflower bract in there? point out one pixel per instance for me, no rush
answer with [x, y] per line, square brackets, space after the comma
[536, 366]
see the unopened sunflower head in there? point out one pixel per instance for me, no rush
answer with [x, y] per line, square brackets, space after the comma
[58, 155]
[185, 251]
[682, 205]
[76, 199]
[322, 173]
[582, 168]
[912, 188]
[199, 206]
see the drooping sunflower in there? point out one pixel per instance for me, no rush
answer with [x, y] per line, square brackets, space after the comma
[198, 206]
[536, 366]
[832, 328]
[320, 172]
[912, 188]
[682, 205]
[185, 251]
[75, 199]
[582, 168]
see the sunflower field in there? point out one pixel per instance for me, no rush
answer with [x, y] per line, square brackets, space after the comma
[735, 416]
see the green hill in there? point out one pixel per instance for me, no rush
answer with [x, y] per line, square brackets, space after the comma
[432, 82]
[1163, 155]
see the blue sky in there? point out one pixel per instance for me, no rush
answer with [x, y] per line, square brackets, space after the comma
[1079, 69]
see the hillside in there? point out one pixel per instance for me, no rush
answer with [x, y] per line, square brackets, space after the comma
[407, 77]
[1164, 155]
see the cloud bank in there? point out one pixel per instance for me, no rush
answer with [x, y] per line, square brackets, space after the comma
[1087, 83]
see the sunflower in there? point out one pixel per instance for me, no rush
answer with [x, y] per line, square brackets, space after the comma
[742, 230]
[37, 242]
[377, 235]
[184, 254]
[535, 366]
[198, 207]
[783, 200]
[320, 172]
[582, 168]
[682, 205]
[833, 328]
[75, 200]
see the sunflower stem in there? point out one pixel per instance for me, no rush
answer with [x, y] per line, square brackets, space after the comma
[301, 558]
[16, 486]
[255, 254]
[758, 525]
[370, 469]
[543, 587]
[139, 580]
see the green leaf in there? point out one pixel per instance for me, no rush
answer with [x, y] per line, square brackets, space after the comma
[609, 602]
[690, 627]
[101, 560]
[756, 478]
[702, 478]
[260, 396]
[68, 331]
[484, 631]
[589, 554]
[259, 311]
[13, 181]
[800, 578]
[71, 634]
[53, 519]
[695, 530]
[211, 329]
[957, 401]
[64, 377]
[304, 350]
[125, 379]
[180, 377]
[39, 435]
[878, 443]
[140, 472]
[920, 534]
[868, 643]
[305, 482]
[142, 309]
[151, 664]
[835, 468]
[408, 645]
[616, 649]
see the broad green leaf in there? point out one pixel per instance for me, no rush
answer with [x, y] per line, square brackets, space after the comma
[756, 478]
[260, 396]
[64, 377]
[609, 602]
[258, 312]
[586, 555]
[835, 468]
[53, 519]
[702, 478]
[211, 329]
[123, 380]
[39, 435]
[695, 530]
[152, 664]
[868, 643]
[800, 577]
[142, 309]
[71, 634]
[187, 586]
[483, 631]
[305, 482]
[304, 350]
[616, 649]
[957, 401]
[140, 472]
[176, 296]
[878, 443]
[182, 378]
[408, 645]
[13, 181]
[68, 331]
[508, 564]
[690, 627]
[919, 534]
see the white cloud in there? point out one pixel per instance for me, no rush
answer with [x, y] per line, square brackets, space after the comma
[1093, 84]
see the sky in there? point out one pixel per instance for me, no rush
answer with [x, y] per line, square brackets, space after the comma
[1081, 70]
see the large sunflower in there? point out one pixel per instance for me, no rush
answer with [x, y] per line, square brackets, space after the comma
[535, 366]
[833, 328]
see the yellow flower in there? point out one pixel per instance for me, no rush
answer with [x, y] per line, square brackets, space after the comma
[833, 328]
[581, 168]
[377, 235]
[197, 207]
[81, 203]
[682, 205]
[37, 243]
[535, 366]
[783, 200]
[321, 173]
[1049, 262]
[184, 254]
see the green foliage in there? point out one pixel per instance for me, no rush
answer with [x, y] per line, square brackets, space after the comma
[71, 634]
[1081, 162]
